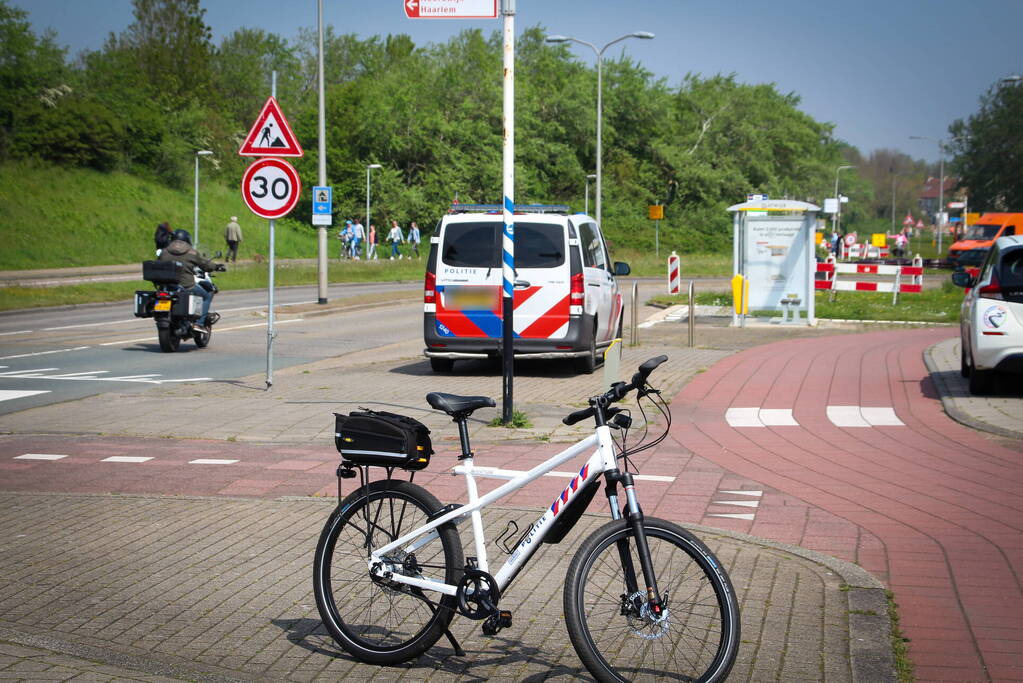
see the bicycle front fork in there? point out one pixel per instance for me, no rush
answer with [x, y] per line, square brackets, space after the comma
[634, 518]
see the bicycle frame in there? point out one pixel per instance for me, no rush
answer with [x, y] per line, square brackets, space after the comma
[602, 460]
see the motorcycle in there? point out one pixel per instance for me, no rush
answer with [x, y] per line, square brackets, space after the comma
[174, 308]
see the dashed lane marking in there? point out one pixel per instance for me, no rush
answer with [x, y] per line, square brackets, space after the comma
[760, 417]
[9, 395]
[748, 516]
[43, 353]
[857, 416]
[211, 461]
[93, 375]
[40, 456]
[126, 458]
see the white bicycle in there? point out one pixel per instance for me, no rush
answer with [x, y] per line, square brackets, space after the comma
[643, 598]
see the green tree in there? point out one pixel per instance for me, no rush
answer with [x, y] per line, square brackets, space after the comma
[988, 150]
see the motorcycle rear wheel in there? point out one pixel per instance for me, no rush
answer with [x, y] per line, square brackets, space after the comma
[168, 342]
[202, 339]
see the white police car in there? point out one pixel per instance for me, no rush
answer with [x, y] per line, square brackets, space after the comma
[567, 302]
[991, 320]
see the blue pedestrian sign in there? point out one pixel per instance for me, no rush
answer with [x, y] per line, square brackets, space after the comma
[323, 200]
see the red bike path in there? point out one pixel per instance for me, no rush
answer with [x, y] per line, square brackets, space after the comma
[928, 506]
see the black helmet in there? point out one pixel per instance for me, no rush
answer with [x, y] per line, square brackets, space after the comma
[182, 235]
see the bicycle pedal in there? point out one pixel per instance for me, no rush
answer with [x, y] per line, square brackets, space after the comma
[497, 621]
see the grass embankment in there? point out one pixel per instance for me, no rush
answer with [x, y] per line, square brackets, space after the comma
[58, 217]
[939, 305]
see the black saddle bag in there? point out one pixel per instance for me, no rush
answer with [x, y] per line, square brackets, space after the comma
[382, 439]
[162, 272]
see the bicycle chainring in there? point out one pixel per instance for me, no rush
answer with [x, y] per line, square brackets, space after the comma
[477, 594]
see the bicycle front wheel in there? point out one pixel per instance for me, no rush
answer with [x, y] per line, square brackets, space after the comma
[373, 619]
[697, 636]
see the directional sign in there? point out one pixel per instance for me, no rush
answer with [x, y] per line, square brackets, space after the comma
[450, 9]
[270, 135]
[270, 187]
[322, 204]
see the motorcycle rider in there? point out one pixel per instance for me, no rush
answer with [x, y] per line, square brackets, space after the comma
[180, 249]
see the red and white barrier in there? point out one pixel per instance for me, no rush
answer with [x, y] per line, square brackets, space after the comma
[914, 273]
[674, 274]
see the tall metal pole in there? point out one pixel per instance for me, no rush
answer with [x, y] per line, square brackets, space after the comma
[321, 232]
[941, 193]
[893, 200]
[508, 191]
[271, 333]
[195, 222]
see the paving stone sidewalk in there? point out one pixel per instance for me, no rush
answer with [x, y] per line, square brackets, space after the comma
[99, 587]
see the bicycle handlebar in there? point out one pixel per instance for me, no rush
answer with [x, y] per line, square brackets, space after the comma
[618, 391]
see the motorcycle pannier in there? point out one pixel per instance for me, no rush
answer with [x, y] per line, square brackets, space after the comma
[382, 439]
[161, 272]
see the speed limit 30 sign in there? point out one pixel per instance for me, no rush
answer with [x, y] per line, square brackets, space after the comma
[270, 187]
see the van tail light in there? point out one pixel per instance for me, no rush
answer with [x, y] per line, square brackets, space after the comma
[992, 290]
[430, 288]
[576, 292]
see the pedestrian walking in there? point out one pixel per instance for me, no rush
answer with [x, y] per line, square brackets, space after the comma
[371, 243]
[395, 237]
[233, 236]
[358, 234]
[345, 235]
[414, 238]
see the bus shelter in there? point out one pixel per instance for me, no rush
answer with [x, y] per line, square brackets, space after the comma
[773, 249]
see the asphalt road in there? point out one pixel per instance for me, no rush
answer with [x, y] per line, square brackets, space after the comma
[53, 355]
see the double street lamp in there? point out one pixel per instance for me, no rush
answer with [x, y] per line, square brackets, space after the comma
[195, 224]
[365, 228]
[645, 35]
[838, 198]
[940, 218]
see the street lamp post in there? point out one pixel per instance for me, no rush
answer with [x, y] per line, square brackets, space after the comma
[838, 211]
[590, 177]
[941, 183]
[645, 35]
[195, 224]
[365, 228]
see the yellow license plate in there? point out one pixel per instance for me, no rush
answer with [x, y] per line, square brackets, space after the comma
[474, 298]
[162, 306]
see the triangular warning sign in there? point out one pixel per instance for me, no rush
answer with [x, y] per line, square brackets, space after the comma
[270, 135]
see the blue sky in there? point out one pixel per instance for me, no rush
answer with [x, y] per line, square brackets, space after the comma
[881, 71]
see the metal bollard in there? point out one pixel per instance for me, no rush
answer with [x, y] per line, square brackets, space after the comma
[634, 335]
[692, 314]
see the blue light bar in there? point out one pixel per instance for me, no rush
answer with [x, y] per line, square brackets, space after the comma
[519, 208]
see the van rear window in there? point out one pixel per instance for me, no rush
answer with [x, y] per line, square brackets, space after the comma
[478, 245]
[981, 231]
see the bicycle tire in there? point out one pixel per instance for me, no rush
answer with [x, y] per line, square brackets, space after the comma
[372, 621]
[697, 640]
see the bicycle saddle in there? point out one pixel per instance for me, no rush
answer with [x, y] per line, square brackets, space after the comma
[458, 405]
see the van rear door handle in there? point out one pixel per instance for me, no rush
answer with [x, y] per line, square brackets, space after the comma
[522, 284]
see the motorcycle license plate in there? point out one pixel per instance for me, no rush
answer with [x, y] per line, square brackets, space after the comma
[162, 306]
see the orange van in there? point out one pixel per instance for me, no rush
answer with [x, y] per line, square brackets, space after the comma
[983, 233]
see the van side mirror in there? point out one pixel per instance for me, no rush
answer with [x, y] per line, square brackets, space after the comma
[622, 268]
[961, 278]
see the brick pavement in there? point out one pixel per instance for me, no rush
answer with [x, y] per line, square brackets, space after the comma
[157, 588]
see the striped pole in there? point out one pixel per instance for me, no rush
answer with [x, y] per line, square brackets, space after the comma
[674, 283]
[508, 242]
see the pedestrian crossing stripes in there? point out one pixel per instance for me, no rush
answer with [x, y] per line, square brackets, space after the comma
[840, 416]
[749, 503]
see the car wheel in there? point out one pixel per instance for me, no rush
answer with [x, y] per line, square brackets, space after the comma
[442, 364]
[585, 365]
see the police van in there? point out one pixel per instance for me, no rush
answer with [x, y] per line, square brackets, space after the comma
[566, 304]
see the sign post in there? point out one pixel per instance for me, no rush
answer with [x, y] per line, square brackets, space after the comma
[270, 187]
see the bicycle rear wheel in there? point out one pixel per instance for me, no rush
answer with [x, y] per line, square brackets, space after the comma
[696, 639]
[375, 620]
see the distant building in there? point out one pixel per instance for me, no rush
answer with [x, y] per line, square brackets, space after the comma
[929, 194]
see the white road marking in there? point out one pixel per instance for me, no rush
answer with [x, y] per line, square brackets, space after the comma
[4, 334]
[211, 461]
[39, 456]
[734, 515]
[125, 458]
[215, 329]
[73, 375]
[43, 353]
[70, 327]
[742, 492]
[9, 395]
[857, 416]
[23, 372]
[743, 417]
[741, 503]
[90, 376]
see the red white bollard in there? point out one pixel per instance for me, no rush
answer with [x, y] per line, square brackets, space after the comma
[674, 274]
